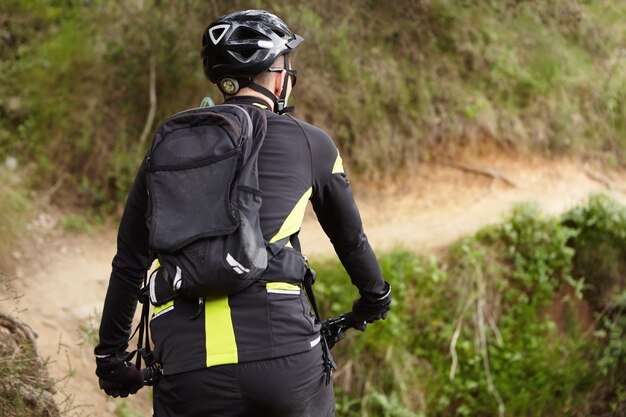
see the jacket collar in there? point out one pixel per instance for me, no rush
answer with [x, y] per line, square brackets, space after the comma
[250, 100]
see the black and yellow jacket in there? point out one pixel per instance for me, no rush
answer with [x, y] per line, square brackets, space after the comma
[297, 163]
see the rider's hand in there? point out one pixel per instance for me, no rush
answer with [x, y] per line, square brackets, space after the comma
[368, 309]
[117, 376]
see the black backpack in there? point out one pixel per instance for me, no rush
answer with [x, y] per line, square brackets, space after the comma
[204, 201]
[203, 216]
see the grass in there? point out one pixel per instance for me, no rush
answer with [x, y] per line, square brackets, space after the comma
[25, 389]
[15, 209]
[89, 329]
[124, 409]
[82, 223]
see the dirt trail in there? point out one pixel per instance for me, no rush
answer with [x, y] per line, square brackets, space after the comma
[63, 288]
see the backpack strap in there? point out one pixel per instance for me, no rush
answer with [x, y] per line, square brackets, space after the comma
[250, 127]
[309, 280]
[329, 364]
[276, 247]
[295, 241]
[152, 372]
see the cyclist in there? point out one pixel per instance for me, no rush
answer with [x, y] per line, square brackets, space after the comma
[257, 352]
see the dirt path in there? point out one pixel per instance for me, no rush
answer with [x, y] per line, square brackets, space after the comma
[63, 288]
[440, 203]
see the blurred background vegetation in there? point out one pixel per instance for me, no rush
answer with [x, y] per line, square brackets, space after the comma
[525, 317]
[395, 83]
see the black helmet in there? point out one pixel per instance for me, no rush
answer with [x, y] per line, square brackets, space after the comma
[245, 43]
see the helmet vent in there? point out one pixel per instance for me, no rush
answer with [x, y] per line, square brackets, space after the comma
[217, 33]
[244, 55]
[243, 33]
[280, 33]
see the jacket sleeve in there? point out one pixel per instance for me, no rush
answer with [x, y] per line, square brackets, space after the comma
[339, 216]
[128, 270]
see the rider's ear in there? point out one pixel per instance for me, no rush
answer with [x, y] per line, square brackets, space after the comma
[278, 83]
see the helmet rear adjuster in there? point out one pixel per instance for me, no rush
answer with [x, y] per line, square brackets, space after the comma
[229, 86]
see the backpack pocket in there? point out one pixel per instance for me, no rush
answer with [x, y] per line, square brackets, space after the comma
[216, 266]
[287, 266]
[191, 202]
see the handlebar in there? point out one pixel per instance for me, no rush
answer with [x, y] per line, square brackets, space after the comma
[333, 329]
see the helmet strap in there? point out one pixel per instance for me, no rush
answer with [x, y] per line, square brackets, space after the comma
[279, 102]
[282, 102]
[267, 93]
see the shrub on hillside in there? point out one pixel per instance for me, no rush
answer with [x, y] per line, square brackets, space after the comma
[600, 260]
[476, 333]
[600, 246]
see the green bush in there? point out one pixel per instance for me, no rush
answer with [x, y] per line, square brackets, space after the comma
[610, 398]
[600, 248]
[475, 332]
[600, 260]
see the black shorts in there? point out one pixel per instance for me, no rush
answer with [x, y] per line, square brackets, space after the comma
[291, 386]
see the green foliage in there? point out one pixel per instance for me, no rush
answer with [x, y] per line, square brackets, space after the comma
[478, 332]
[15, 209]
[75, 97]
[535, 252]
[601, 261]
[124, 409]
[390, 82]
[600, 248]
[611, 360]
[90, 328]
[89, 224]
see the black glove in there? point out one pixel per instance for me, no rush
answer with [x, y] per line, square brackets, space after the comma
[118, 377]
[368, 309]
